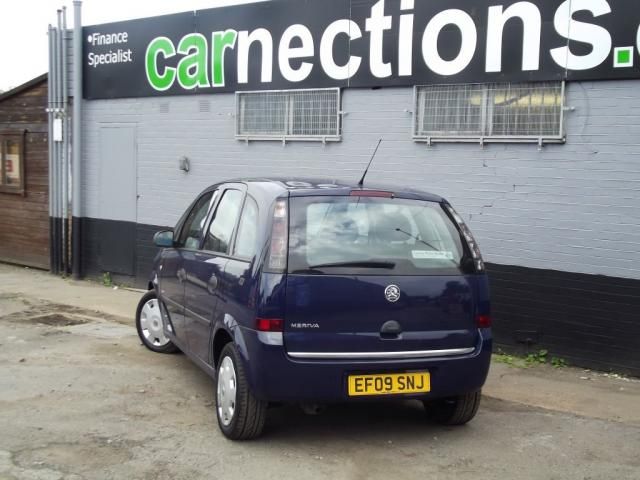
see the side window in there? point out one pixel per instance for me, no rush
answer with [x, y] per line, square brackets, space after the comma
[194, 224]
[11, 164]
[224, 221]
[247, 239]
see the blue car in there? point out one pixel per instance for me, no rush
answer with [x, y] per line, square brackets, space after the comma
[316, 292]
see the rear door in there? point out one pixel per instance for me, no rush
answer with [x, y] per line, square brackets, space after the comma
[205, 269]
[238, 292]
[375, 276]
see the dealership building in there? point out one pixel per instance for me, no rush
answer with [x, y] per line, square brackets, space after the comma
[524, 115]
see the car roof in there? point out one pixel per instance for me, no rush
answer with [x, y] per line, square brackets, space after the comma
[313, 186]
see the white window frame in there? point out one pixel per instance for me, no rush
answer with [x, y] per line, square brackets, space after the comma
[287, 137]
[482, 139]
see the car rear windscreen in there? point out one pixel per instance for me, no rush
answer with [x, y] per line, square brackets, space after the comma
[372, 236]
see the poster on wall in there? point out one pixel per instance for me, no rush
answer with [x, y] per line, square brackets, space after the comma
[292, 44]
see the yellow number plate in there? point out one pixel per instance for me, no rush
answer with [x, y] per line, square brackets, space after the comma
[389, 384]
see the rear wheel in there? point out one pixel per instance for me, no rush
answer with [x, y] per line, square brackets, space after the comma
[454, 410]
[149, 325]
[241, 416]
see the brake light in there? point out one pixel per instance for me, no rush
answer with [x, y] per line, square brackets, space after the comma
[478, 262]
[483, 321]
[279, 237]
[269, 324]
[371, 193]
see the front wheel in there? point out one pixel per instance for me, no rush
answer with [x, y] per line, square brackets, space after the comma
[149, 325]
[453, 410]
[241, 416]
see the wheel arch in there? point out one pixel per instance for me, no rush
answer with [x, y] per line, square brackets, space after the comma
[228, 331]
[221, 338]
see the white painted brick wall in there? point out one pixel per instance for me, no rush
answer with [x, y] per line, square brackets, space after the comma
[572, 207]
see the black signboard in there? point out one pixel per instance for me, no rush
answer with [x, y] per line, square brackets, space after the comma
[292, 44]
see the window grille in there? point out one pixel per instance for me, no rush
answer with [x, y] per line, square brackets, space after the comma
[288, 115]
[499, 112]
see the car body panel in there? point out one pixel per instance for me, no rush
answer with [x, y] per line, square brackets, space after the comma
[327, 313]
[204, 275]
[435, 313]
[171, 289]
[276, 377]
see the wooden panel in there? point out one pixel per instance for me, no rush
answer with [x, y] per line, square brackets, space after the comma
[24, 219]
[26, 107]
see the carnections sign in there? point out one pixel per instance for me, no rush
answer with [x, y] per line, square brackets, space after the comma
[283, 44]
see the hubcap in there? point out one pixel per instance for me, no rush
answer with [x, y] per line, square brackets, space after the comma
[151, 324]
[226, 394]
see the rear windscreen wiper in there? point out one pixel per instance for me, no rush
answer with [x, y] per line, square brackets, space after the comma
[355, 264]
[417, 239]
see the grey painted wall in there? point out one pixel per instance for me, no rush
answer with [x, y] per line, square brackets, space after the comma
[572, 207]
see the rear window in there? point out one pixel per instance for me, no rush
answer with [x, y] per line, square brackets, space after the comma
[372, 236]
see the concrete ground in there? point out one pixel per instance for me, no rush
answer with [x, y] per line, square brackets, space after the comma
[80, 398]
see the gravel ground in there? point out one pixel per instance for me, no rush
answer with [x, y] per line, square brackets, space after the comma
[80, 398]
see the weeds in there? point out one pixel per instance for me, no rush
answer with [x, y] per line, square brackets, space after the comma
[537, 358]
[107, 281]
[541, 357]
[558, 362]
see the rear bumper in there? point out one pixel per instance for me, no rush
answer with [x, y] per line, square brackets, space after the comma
[274, 376]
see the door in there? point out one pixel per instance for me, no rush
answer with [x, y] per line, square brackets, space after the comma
[238, 290]
[172, 275]
[117, 199]
[204, 270]
[376, 275]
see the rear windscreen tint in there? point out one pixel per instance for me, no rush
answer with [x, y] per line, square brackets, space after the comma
[372, 236]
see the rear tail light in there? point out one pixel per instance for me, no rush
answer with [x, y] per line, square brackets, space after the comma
[269, 324]
[483, 321]
[279, 237]
[478, 262]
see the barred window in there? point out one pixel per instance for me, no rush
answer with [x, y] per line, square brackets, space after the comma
[288, 115]
[499, 112]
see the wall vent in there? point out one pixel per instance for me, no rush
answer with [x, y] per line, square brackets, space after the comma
[204, 106]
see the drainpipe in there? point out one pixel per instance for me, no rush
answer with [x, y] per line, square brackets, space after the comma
[60, 159]
[50, 142]
[65, 147]
[77, 133]
[54, 184]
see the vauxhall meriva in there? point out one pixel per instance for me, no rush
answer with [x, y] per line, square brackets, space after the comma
[315, 292]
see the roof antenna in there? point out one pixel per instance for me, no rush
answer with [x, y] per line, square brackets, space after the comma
[361, 183]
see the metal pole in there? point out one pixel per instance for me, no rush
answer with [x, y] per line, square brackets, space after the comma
[65, 148]
[54, 166]
[50, 145]
[59, 144]
[77, 140]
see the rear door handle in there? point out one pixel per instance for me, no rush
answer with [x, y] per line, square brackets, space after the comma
[182, 275]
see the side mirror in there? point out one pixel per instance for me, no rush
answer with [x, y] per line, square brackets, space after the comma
[163, 239]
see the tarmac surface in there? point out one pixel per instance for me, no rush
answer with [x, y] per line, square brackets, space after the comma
[80, 398]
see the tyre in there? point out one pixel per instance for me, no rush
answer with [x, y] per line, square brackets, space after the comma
[149, 325]
[454, 410]
[241, 416]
